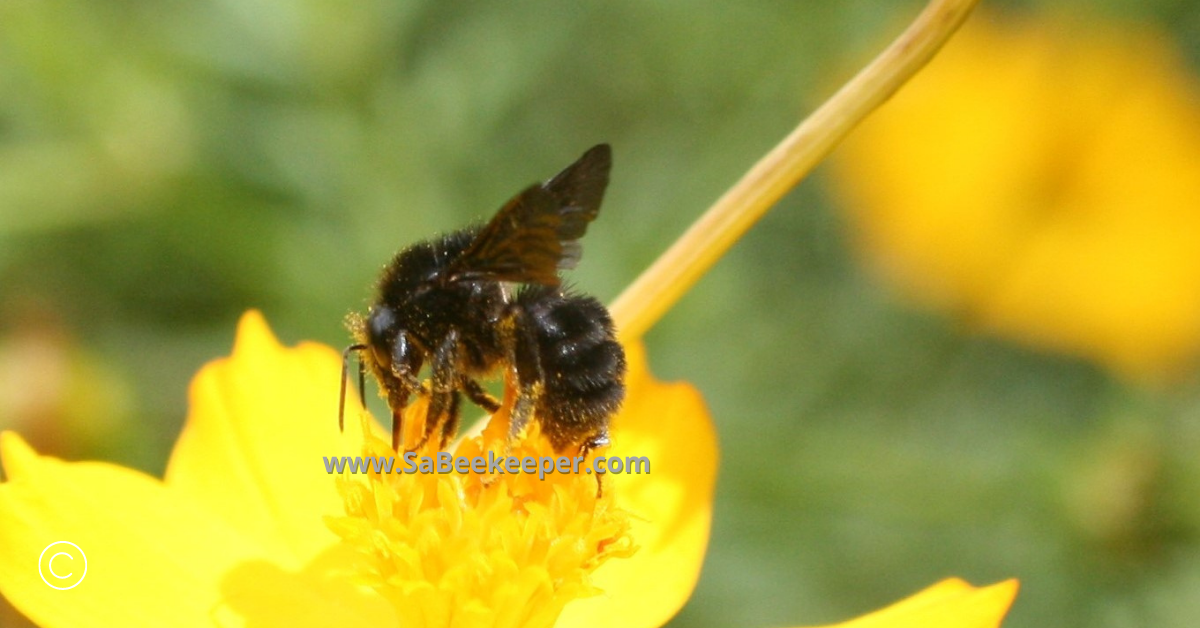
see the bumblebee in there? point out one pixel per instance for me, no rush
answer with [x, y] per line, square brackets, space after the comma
[489, 297]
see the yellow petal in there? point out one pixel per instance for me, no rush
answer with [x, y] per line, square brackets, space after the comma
[153, 559]
[259, 593]
[252, 449]
[671, 506]
[948, 604]
[153, 556]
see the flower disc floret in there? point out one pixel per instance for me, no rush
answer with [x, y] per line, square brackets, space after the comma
[468, 549]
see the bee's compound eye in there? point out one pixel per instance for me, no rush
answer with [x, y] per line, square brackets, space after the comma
[380, 324]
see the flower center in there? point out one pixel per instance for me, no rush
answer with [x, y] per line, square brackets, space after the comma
[479, 549]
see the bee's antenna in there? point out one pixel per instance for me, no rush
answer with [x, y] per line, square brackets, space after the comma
[362, 394]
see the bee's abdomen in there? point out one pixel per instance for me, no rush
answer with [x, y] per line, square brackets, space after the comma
[582, 364]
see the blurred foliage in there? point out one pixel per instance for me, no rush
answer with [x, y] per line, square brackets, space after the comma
[166, 165]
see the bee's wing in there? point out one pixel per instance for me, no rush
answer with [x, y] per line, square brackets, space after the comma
[579, 189]
[536, 233]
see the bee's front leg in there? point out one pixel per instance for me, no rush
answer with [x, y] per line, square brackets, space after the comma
[477, 394]
[400, 381]
[444, 398]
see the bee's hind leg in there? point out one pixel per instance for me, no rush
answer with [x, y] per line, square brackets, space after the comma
[527, 364]
[593, 443]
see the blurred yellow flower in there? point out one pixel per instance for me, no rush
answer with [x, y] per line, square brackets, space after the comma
[1042, 181]
[240, 532]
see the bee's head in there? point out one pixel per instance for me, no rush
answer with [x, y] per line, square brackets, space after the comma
[393, 339]
[381, 333]
[384, 347]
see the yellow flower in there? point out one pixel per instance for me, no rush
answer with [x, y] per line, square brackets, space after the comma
[241, 529]
[1042, 180]
[248, 528]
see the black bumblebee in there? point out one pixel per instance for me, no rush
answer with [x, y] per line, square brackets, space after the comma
[448, 303]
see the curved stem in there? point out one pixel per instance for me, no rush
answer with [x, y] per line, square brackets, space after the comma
[676, 270]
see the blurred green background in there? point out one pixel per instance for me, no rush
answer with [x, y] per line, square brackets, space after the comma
[165, 165]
